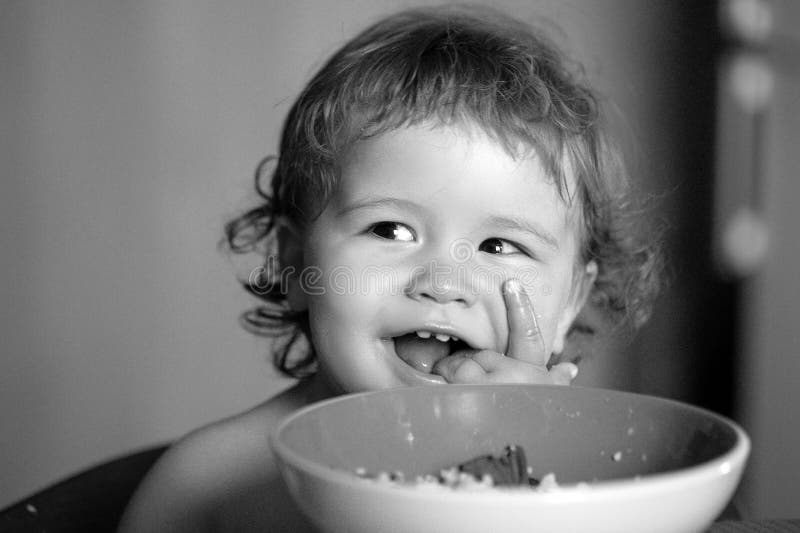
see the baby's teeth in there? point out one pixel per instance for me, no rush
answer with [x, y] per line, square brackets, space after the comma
[439, 336]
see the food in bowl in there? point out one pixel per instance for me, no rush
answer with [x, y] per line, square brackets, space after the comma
[486, 471]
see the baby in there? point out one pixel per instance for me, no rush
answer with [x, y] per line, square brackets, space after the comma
[443, 205]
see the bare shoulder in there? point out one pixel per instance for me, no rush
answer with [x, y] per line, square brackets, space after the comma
[222, 477]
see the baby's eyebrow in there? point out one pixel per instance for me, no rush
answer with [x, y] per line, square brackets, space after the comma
[521, 224]
[396, 203]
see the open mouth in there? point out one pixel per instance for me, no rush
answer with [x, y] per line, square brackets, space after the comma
[423, 349]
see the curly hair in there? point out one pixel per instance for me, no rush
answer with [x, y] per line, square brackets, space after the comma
[445, 66]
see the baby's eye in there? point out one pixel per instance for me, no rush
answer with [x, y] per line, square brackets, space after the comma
[498, 246]
[393, 230]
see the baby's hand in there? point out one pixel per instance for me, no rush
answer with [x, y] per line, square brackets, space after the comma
[526, 360]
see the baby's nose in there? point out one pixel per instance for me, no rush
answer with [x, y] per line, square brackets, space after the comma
[442, 283]
[444, 293]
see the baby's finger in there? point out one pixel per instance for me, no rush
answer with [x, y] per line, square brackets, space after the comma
[564, 373]
[525, 340]
[460, 369]
[502, 369]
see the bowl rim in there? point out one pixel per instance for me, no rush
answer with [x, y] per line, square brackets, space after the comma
[731, 462]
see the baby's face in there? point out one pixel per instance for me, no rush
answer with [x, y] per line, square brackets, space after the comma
[426, 225]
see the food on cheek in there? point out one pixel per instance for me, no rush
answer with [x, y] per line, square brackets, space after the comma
[509, 469]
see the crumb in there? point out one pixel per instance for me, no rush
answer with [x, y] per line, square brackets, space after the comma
[548, 483]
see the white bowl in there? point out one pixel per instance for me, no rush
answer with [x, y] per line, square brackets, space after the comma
[624, 462]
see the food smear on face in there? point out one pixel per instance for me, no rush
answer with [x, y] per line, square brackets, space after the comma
[510, 469]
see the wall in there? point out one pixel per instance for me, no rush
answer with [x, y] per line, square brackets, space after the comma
[130, 133]
[769, 382]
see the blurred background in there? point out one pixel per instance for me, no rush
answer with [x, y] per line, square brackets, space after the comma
[130, 132]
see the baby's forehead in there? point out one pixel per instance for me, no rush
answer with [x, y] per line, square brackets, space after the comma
[558, 169]
[406, 148]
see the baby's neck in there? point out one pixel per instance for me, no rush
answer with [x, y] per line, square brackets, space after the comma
[305, 392]
[317, 388]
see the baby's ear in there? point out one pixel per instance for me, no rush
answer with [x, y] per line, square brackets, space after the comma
[290, 258]
[580, 293]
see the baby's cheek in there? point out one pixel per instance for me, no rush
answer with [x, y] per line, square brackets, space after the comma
[377, 281]
[541, 294]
